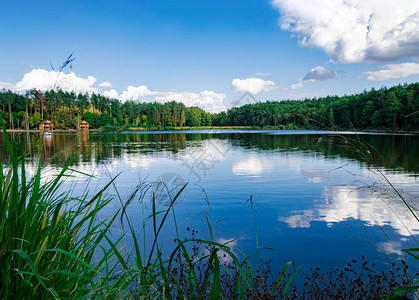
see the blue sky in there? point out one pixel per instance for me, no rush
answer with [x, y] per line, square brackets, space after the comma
[208, 53]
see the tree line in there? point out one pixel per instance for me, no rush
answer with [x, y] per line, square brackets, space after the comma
[67, 109]
[395, 108]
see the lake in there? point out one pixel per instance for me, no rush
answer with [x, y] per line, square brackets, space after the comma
[306, 194]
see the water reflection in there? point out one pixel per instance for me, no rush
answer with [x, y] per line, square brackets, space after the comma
[316, 173]
[201, 156]
[343, 203]
[307, 192]
[139, 161]
[252, 167]
[397, 151]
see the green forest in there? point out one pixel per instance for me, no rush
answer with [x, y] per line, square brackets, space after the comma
[395, 108]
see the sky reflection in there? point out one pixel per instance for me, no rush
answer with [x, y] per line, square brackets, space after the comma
[305, 195]
[342, 203]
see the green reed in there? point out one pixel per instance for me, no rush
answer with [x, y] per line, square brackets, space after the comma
[47, 238]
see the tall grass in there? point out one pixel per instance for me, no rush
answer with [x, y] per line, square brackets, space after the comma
[47, 239]
[53, 245]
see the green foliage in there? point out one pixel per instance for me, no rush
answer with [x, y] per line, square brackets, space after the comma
[104, 119]
[62, 119]
[47, 238]
[92, 118]
[195, 117]
[392, 109]
[35, 119]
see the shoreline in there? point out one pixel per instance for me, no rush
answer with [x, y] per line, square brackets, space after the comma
[134, 129]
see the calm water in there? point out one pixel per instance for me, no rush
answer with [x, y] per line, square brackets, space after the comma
[299, 192]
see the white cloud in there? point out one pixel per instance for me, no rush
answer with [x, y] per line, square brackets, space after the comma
[135, 93]
[207, 100]
[7, 86]
[112, 94]
[316, 74]
[298, 85]
[393, 71]
[252, 85]
[45, 80]
[106, 84]
[319, 74]
[353, 31]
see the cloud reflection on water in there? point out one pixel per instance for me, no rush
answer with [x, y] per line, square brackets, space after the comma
[343, 203]
[252, 166]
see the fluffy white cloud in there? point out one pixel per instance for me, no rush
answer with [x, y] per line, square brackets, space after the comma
[318, 73]
[106, 84]
[44, 80]
[298, 85]
[135, 93]
[207, 100]
[252, 85]
[112, 94]
[7, 86]
[393, 71]
[353, 31]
